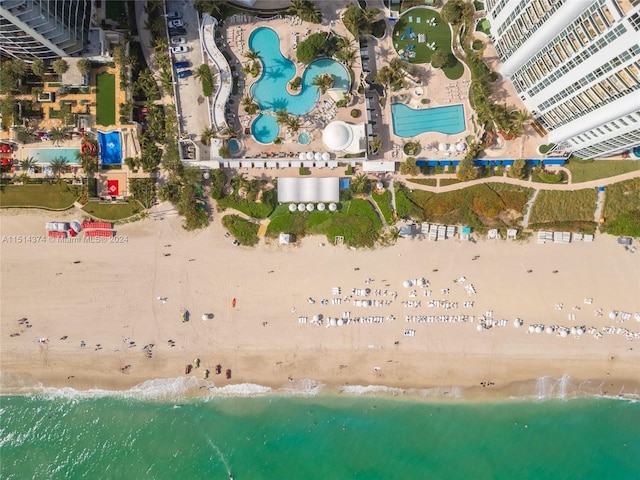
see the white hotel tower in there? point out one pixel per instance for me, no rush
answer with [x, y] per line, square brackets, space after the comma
[576, 66]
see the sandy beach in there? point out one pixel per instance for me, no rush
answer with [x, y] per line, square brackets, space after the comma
[106, 295]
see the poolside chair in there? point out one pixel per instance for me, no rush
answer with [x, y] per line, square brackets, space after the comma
[403, 37]
[409, 29]
[418, 19]
[410, 21]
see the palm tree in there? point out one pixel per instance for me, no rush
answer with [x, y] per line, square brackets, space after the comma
[57, 135]
[375, 145]
[227, 131]
[238, 182]
[360, 184]
[282, 116]
[252, 55]
[206, 134]
[38, 67]
[59, 166]
[347, 56]
[294, 123]
[306, 10]
[84, 66]
[324, 82]
[27, 164]
[60, 66]
[246, 101]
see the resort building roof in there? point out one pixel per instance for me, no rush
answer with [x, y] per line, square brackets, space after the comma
[292, 189]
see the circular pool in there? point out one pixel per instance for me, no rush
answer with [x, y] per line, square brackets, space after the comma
[304, 139]
[234, 146]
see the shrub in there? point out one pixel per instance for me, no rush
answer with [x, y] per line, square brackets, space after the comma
[355, 113]
[244, 231]
[304, 171]
[349, 170]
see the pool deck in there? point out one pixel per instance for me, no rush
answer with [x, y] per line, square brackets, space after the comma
[236, 37]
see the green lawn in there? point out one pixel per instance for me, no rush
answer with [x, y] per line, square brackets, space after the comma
[553, 206]
[622, 208]
[586, 170]
[251, 209]
[244, 231]
[384, 204]
[484, 26]
[430, 182]
[118, 211]
[440, 34]
[106, 99]
[47, 195]
[355, 220]
[115, 9]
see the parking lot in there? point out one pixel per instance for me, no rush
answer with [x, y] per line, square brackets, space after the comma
[192, 107]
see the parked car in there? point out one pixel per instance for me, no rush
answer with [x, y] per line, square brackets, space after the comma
[184, 73]
[625, 240]
[175, 23]
[177, 31]
[180, 49]
[173, 15]
[178, 40]
[180, 65]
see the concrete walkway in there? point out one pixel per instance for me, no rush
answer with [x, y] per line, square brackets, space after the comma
[522, 183]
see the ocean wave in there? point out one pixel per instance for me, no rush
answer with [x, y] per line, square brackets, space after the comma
[238, 390]
[303, 387]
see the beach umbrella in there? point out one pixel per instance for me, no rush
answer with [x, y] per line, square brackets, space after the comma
[301, 207]
[206, 175]
[564, 333]
[317, 318]
[326, 156]
[321, 207]
[550, 329]
[613, 314]
[452, 148]
[532, 329]
[333, 207]
[333, 322]
[539, 329]
[581, 331]
[292, 207]
[310, 207]
[460, 147]
[443, 147]
[340, 322]
[406, 283]
[302, 156]
[574, 330]
[480, 327]
[205, 317]
[310, 155]
[517, 322]
[317, 156]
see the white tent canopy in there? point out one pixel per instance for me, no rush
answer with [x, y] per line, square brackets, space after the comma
[295, 189]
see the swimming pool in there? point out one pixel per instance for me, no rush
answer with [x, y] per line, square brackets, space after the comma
[234, 145]
[408, 122]
[270, 90]
[265, 128]
[303, 139]
[110, 148]
[45, 155]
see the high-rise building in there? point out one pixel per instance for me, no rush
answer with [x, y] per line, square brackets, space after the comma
[576, 66]
[46, 29]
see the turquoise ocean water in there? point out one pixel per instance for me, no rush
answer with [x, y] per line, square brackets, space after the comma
[321, 437]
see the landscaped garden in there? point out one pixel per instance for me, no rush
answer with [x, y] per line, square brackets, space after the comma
[113, 211]
[622, 208]
[564, 210]
[245, 231]
[586, 170]
[484, 26]
[355, 220]
[419, 34]
[383, 201]
[55, 196]
[106, 99]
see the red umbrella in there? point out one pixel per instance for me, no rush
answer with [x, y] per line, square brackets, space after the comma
[5, 148]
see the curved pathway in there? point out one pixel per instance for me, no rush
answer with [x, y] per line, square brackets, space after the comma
[208, 30]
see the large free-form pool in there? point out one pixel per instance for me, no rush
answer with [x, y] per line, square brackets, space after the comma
[270, 90]
[408, 122]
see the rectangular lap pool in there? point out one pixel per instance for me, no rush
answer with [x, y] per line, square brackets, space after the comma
[408, 122]
[44, 156]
